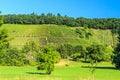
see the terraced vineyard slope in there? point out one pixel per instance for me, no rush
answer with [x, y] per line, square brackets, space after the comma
[43, 34]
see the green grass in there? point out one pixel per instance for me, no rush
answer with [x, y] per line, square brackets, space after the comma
[57, 34]
[75, 71]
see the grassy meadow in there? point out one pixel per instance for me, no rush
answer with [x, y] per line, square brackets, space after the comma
[75, 71]
[57, 34]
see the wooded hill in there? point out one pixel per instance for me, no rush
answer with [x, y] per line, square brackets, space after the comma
[97, 23]
[71, 37]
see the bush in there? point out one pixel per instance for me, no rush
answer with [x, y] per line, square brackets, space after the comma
[65, 50]
[76, 57]
[116, 60]
[12, 57]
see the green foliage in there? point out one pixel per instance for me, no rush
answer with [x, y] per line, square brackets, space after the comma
[69, 49]
[79, 49]
[62, 50]
[15, 57]
[47, 58]
[1, 20]
[116, 60]
[30, 47]
[2, 56]
[88, 34]
[65, 50]
[81, 32]
[108, 54]
[84, 33]
[12, 57]
[75, 52]
[4, 42]
[30, 50]
[96, 23]
[76, 56]
[96, 52]
[50, 49]
[4, 45]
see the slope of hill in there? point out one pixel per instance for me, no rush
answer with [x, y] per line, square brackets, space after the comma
[43, 34]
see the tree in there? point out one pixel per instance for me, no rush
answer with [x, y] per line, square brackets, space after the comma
[30, 50]
[14, 57]
[82, 52]
[108, 54]
[1, 19]
[95, 54]
[65, 50]
[76, 56]
[97, 23]
[47, 58]
[4, 41]
[116, 60]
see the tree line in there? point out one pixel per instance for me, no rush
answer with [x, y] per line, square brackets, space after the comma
[97, 23]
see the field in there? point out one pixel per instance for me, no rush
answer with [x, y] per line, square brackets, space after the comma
[75, 71]
[57, 34]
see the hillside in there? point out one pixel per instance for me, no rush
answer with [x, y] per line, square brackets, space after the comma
[43, 34]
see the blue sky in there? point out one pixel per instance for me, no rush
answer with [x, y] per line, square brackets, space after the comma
[73, 8]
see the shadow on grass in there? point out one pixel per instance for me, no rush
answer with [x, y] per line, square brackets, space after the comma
[100, 67]
[39, 73]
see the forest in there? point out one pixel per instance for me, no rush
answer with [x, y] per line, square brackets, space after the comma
[97, 23]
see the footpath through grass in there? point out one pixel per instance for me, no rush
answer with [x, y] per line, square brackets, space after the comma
[75, 71]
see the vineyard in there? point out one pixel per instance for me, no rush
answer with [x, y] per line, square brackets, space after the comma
[43, 34]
